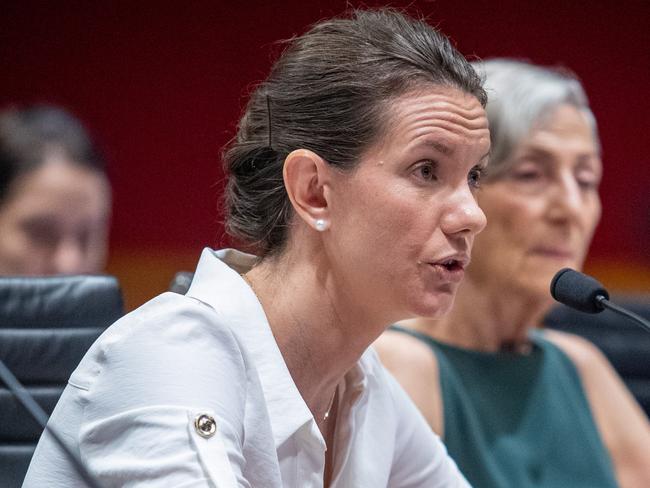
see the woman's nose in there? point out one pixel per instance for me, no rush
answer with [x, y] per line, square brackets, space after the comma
[464, 215]
[69, 258]
[566, 199]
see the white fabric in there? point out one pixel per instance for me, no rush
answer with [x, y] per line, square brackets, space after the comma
[129, 407]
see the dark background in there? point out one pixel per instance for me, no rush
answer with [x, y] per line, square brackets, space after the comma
[162, 84]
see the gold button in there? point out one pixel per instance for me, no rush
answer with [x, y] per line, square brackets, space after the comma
[205, 425]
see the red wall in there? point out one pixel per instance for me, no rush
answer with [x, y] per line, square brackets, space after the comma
[162, 86]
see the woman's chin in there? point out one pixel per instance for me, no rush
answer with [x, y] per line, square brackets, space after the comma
[535, 289]
[434, 307]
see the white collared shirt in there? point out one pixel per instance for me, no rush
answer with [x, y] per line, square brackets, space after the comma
[130, 408]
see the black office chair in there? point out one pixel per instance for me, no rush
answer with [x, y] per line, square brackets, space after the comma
[46, 326]
[181, 282]
[626, 345]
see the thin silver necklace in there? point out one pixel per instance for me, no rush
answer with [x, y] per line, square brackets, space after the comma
[329, 408]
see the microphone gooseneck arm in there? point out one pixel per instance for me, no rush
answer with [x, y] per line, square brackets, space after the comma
[627, 313]
[40, 416]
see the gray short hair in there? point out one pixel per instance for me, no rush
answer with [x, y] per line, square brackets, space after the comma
[520, 95]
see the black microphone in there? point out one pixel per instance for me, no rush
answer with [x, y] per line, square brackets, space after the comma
[586, 294]
[579, 291]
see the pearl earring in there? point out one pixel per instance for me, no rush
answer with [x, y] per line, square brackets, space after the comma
[321, 225]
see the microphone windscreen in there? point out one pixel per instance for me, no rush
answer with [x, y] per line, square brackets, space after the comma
[577, 290]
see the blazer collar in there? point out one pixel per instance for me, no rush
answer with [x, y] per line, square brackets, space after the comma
[218, 282]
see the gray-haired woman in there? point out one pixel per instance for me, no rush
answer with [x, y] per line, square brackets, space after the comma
[518, 406]
[352, 177]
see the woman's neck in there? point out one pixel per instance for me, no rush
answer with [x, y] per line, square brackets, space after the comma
[317, 328]
[486, 318]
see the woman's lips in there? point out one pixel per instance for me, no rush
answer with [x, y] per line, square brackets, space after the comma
[449, 273]
[450, 269]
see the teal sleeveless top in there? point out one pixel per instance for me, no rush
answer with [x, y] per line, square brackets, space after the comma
[519, 421]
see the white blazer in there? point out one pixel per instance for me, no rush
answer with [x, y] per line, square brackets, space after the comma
[192, 391]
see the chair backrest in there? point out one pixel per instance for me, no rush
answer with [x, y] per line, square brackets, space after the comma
[626, 345]
[181, 282]
[46, 326]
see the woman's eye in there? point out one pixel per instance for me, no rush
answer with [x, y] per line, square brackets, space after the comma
[587, 184]
[426, 170]
[587, 181]
[474, 177]
[45, 234]
[527, 175]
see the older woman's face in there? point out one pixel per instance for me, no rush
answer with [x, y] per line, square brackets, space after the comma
[542, 213]
[55, 220]
[403, 222]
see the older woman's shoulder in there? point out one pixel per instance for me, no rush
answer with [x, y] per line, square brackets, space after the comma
[622, 424]
[414, 366]
[584, 354]
[399, 351]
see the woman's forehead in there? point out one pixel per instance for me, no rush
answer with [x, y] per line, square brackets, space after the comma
[436, 103]
[438, 118]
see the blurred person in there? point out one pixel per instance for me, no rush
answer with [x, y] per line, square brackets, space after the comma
[515, 405]
[54, 195]
[352, 175]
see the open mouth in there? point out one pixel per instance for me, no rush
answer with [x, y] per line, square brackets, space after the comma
[451, 265]
[449, 270]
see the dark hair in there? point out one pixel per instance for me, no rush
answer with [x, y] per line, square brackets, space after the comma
[29, 135]
[328, 92]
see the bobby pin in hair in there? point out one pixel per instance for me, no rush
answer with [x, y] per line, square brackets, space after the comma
[268, 115]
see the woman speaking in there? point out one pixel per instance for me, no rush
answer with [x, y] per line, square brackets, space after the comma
[352, 178]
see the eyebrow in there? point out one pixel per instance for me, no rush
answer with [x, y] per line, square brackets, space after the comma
[537, 152]
[448, 151]
[438, 146]
[545, 155]
[41, 220]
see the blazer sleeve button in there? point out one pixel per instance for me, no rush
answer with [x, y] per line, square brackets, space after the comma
[205, 425]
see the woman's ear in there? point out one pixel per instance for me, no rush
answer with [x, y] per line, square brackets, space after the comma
[306, 178]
